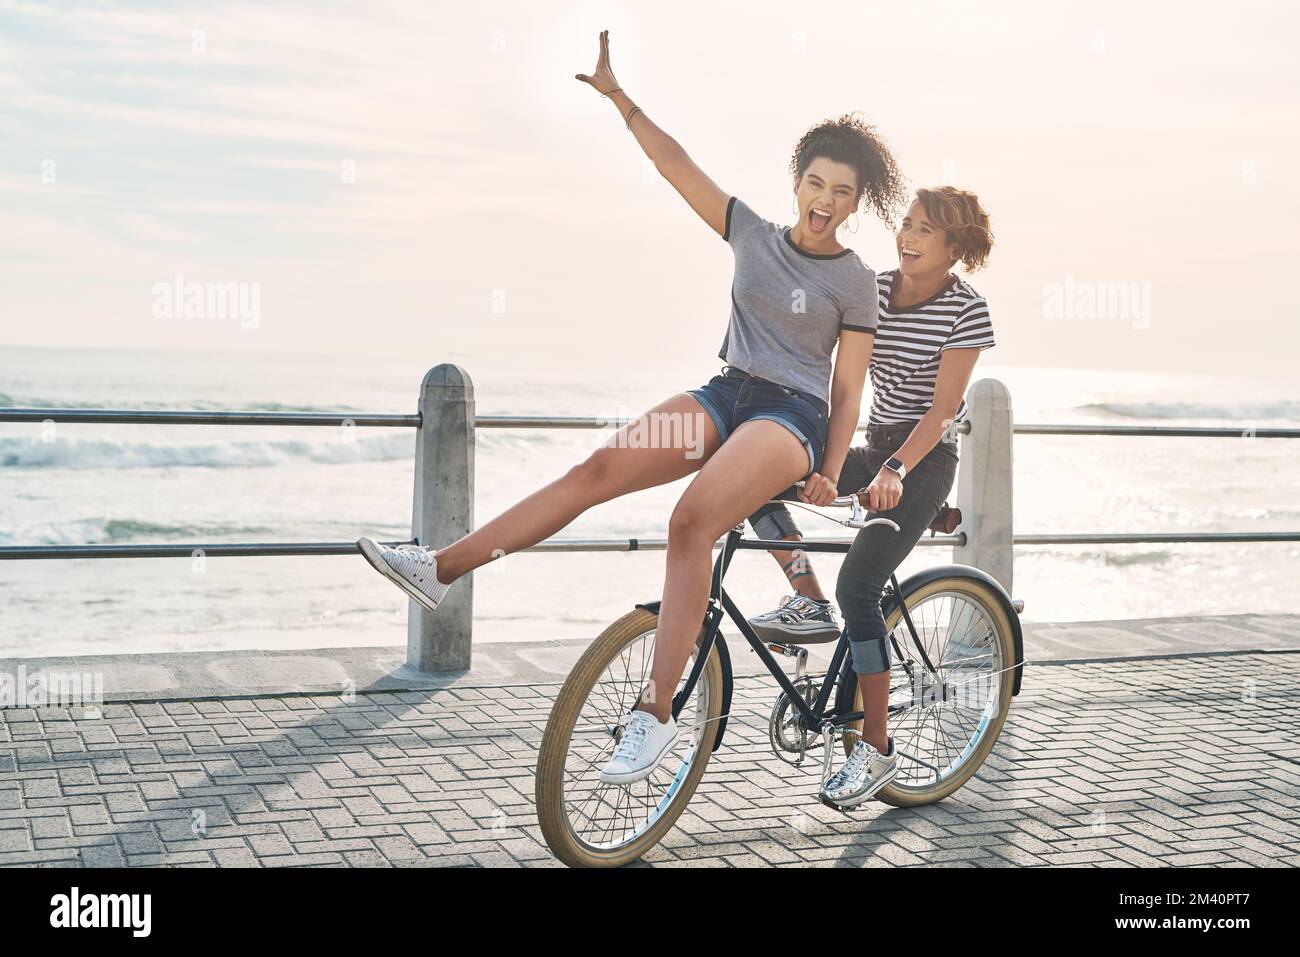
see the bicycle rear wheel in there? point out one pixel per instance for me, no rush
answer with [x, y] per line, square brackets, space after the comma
[590, 824]
[950, 718]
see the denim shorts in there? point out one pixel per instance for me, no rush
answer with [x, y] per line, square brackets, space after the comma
[734, 396]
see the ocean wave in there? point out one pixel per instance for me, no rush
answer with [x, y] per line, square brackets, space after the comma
[198, 405]
[1123, 559]
[111, 531]
[107, 454]
[1093, 557]
[1235, 411]
[98, 454]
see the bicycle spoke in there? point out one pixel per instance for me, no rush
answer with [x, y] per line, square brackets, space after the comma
[936, 714]
[610, 815]
[647, 658]
[944, 711]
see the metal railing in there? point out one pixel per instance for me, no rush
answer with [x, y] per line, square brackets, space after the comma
[444, 491]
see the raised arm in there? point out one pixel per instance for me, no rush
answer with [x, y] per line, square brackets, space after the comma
[672, 162]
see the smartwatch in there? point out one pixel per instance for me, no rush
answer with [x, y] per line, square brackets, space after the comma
[896, 465]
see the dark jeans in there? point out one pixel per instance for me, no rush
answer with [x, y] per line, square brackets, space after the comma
[877, 551]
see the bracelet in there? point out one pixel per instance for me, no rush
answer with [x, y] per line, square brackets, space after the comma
[617, 89]
[635, 110]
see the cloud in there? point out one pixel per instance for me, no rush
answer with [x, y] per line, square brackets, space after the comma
[150, 230]
[345, 151]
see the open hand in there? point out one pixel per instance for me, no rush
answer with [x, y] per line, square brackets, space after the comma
[603, 78]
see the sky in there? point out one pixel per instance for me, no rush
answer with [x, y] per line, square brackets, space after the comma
[429, 178]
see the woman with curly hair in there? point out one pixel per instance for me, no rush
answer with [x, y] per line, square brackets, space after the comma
[932, 327]
[778, 413]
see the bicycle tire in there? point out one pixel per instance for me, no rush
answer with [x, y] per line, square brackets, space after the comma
[989, 602]
[687, 761]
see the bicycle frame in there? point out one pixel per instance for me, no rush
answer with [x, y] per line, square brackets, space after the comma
[811, 718]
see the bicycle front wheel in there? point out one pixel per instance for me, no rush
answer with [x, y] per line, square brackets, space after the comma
[944, 723]
[585, 822]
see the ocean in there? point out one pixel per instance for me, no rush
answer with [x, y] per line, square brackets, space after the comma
[133, 483]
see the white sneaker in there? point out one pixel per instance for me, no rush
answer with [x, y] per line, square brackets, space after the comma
[645, 742]
[412, 568]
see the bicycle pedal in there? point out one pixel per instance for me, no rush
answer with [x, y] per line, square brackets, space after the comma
[829, 803]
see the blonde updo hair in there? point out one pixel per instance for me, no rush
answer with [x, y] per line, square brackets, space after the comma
[964, 222]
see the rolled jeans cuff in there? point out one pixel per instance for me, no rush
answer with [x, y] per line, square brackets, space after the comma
[871, 656]
[773, 522]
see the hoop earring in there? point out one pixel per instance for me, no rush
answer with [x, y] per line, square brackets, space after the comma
[794, 204]
[845, 224]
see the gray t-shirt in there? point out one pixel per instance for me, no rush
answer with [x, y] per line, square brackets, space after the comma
[788, 306]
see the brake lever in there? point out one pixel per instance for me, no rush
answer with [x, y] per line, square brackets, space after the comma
[858, 518]
[858, 514]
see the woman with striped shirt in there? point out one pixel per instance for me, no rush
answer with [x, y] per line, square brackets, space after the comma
[932, 327]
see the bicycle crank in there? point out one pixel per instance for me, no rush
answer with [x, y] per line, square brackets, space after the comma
[784, 733]
[828, 743]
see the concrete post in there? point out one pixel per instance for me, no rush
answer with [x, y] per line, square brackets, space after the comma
[442, 512]
[984, 492]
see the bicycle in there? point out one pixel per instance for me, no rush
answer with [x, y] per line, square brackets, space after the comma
[588, 823]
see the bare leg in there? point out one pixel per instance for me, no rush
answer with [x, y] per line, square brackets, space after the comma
[875, 709]
[860, 466]
[616, 468]
[797, 566]
[759, 460]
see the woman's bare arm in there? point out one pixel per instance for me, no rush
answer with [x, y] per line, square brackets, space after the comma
[852, 358]
[955, 367]
[670, 159]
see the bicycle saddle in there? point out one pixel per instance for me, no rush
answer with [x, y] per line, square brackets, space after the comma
[945, 520]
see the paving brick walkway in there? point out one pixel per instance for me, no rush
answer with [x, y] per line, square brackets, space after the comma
[1182, 761]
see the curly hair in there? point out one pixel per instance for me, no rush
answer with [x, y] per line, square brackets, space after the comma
[964, 222]
[881, 185]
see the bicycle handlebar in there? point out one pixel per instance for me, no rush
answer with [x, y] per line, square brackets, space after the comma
[843, 501]
[857, 519]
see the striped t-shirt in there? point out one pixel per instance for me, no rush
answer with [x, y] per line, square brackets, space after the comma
[905, 356]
